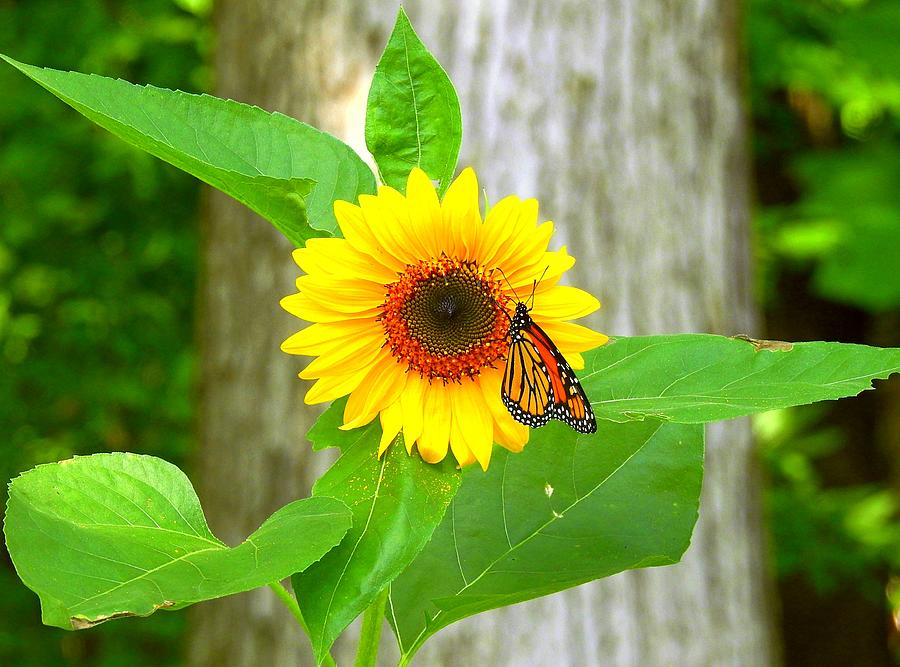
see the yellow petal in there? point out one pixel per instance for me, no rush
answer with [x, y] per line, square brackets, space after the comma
[391, 422]
[521, 234]
[336, 257]
[570, 337]
[361, 420]
[381, 386]
[333, 386]
[576, 361]
[461, 217]
[529, 247]
[564, 303]
[458, 446]
[343, 296]
[413, 402]
[351, 357]
[358, 233]
[323, 338]
[498, 228]
[312, 262]
[472, 419]
[510, 434]
[556, 264]
[353, 226]
[387, 225]
[424, 212]
[435, 436]
[312, 310]
[405, 231]
[318, 257]
[548, 269]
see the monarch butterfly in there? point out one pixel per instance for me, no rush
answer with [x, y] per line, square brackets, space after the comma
[538, 383]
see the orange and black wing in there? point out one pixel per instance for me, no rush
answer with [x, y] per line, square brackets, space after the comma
[539, 385]
[527, 390]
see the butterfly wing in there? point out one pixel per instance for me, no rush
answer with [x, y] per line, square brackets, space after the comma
[526, 390]
[570, 404]
[539, 384]
[576, 409]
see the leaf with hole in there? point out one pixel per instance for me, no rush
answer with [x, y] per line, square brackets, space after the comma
[567, 510]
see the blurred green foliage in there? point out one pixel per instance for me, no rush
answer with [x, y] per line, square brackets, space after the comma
[825, 95]
[833, 535]
[825, 98]
[98, 247]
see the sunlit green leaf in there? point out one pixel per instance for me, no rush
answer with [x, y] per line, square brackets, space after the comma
[114, 535]
[288, 172]
[413, 117]
[567, 510]
[396, 501]
[695, 378]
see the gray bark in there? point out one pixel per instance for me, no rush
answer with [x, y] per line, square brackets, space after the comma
[624, 119]
[281, 55]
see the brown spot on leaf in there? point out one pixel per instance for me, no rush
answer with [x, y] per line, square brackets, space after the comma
[774, 345]
[83, 623]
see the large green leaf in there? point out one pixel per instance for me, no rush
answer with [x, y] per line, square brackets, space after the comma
[396, 501]
[113, 535]
[569, 509]
[695, 378]
[413, 117]
[288, 172]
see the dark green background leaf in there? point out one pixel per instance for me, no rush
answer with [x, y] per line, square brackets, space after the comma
[113, 535]
[413, 117]
[396, 502]
[568, 509]
[288, 172]
[696, 378]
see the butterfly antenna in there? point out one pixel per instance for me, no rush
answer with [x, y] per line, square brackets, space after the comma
[509, 283]
[513, 291]
[534, 287]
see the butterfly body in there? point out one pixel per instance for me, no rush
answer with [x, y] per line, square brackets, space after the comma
[538, 383]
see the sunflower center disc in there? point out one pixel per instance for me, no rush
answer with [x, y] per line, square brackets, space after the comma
[445, 319]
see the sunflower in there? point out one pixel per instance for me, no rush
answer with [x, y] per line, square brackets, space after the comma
[411, 310]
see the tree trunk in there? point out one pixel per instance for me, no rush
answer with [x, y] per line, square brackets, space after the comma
[623, 117]
[287, 56]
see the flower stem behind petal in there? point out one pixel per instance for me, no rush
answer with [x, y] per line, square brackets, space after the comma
[370, 636]
[290, 602]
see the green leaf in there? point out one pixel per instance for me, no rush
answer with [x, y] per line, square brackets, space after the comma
[413, 117]
[396, 502]
[695, 378]
[326, 431]
[568, 509]
[288, 172]
[114, 535]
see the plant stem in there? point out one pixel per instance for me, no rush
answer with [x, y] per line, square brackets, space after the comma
[370, 635]
[290, 602]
